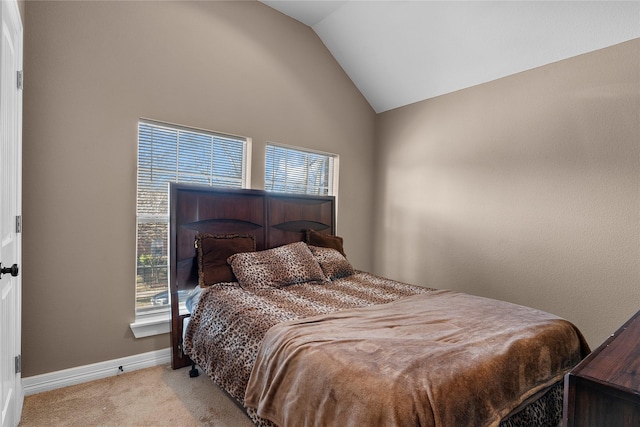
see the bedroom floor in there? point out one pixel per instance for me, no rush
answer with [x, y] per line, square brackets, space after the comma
[157, 396]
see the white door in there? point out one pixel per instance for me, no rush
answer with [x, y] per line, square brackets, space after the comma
[10, 212]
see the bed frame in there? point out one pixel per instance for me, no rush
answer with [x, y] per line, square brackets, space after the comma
[275, 219]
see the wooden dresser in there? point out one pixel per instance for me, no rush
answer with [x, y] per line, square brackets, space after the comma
[604, 389]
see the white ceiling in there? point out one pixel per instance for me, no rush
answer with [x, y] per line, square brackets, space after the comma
[400, 52]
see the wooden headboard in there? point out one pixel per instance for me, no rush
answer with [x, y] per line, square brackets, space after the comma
[275, 219]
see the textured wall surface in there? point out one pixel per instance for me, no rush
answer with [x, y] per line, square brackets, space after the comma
[526, 189]
[94, 69]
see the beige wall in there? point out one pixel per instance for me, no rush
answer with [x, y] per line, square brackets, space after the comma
[525, 189]
[92, 69]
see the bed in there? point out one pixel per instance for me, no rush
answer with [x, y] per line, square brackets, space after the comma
[296, 336]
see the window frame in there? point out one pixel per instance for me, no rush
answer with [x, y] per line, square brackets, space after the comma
[154, 321]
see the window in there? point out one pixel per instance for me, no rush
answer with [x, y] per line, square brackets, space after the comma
[292, 170]
[168, 153]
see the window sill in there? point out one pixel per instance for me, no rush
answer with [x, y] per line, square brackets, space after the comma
[150, 325]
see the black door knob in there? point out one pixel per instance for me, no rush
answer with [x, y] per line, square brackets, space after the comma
[13, 270]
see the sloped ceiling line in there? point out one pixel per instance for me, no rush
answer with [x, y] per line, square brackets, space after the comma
[401, 52]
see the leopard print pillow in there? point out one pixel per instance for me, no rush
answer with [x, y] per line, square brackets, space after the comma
[333, 264]
[278, 267]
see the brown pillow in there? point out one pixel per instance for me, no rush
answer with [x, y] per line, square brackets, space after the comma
[325, 240]
[278, 267]
[213, 251]
[333, 264]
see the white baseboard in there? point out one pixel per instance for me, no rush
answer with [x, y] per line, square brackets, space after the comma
[95, 371]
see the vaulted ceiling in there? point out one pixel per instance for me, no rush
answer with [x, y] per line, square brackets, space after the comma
[400, 52]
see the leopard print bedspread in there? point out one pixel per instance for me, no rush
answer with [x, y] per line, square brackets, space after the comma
[229, 322]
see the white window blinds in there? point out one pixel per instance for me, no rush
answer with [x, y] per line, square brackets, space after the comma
[172, 154]
[292, 170]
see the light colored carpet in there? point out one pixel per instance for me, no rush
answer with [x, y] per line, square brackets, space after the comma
[158, 396]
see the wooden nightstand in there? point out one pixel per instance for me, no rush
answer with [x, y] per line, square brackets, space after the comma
[604, 389]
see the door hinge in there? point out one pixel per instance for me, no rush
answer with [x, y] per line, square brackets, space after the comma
[19, 224]
[18, 364]
[20, 79]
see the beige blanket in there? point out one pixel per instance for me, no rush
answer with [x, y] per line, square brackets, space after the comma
[437, 359]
